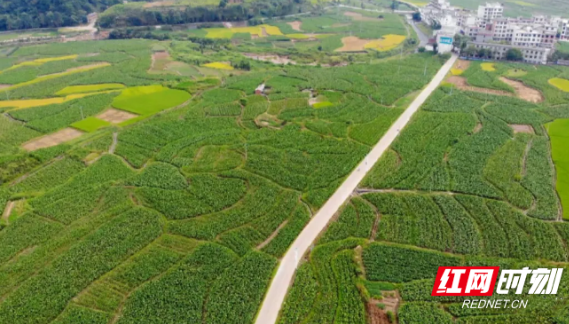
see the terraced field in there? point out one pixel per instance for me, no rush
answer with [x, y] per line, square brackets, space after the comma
[464, 184]
[173, 198]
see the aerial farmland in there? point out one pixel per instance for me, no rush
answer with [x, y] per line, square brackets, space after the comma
[169, 172]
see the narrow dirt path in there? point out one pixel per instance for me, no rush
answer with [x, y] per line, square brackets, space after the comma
[8, 211]
[276, 294]
[270, 238]
[115, 142]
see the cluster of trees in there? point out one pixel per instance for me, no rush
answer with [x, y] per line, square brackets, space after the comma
[128, 16]
[242, 65]
[461, 43]
[152, 33]
[24, 14]
[512, 54]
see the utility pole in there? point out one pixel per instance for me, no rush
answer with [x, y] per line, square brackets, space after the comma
[81, 108]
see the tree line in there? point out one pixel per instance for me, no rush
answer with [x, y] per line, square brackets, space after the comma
[127, 16]
[25, 14]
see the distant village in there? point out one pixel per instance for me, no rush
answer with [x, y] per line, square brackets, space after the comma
[488, 29]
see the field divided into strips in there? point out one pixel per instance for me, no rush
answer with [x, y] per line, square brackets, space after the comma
[256, 31]
[460, 186]
[181, 217]
[89, 88]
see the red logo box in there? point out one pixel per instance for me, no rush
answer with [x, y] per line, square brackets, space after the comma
[465, 281]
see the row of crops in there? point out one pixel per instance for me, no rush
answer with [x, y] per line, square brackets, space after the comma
[461, 186]
[182, 216]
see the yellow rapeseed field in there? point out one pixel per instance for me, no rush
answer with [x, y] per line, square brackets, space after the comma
[89, 88]
[489, 67]
[387, 43]
[297, 36]
[29, 103]
[56, 75]
[219, 65]
[456, 71]
[561, 84]
[253, 30]
[41, 61]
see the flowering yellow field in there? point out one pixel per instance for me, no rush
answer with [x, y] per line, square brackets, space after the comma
[219, 65]
[297, 36]
[489, 67]
[28, 103]
[561, 84]
[89, 88]
[253, 30]
[455, 71]
[387, 43]
[41, 61]
[57, 75]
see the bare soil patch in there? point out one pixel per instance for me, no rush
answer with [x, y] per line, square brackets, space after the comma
[353, 44]
[160, 55]
[54, 139]
[460, 83]
[295, 25]
[376, 315]
[115, 116]
[159, 61]
[528, 129]
[462, 65]
[359, 17]
[390, 300]
[524, 92]
[2, 86]
[275, 59]
[477, 128]
[264, 31]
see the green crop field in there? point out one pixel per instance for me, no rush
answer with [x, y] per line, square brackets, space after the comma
[144, 195]
[559, 134]
[458, 187]
[90, 124]
[148, 100]
[142, 183]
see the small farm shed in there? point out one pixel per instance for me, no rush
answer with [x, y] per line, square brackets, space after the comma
[260, 89]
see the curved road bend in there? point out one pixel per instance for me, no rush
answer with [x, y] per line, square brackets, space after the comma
[277, 291]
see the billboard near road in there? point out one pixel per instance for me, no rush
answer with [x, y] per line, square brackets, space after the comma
[446, 40]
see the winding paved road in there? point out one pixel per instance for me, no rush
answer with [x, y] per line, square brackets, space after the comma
[277, 291]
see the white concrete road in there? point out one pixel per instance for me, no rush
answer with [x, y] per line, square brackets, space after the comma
[277, 291]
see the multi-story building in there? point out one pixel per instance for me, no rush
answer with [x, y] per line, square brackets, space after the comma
[488, 12]
[564, 29]
[539, 36]
[436, 10]
[533, 55]
[536, 36]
